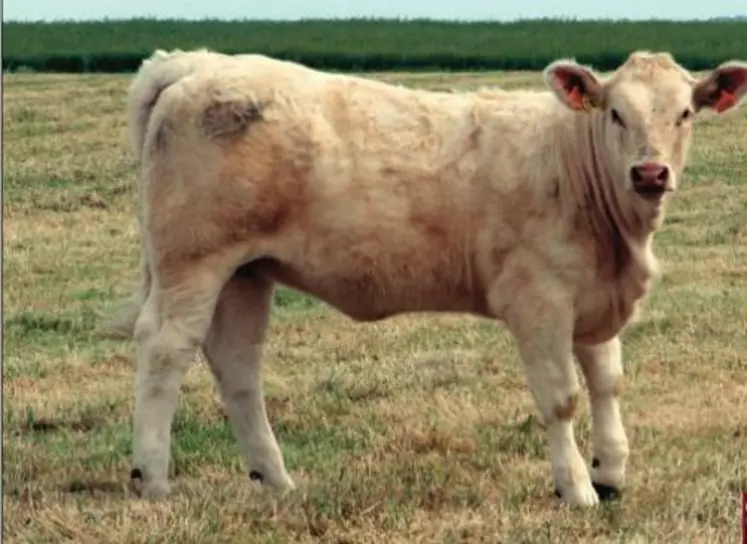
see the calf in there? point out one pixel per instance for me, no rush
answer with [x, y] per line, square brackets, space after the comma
[536, 208]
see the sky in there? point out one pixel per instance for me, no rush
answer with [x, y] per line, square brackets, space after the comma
[432, 9]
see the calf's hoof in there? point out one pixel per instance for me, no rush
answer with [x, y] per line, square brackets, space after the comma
[578, 495]
[146, 489]
[279, 482]
[607, 492]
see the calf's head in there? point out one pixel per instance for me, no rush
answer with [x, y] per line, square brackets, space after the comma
[642, 115]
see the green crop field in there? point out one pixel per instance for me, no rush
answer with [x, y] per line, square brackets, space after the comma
[415, 429]
[372, 44]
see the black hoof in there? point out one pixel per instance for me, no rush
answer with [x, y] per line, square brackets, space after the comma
[606, 492]
[256, 476]
[136, 474]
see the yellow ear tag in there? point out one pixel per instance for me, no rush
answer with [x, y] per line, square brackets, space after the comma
[589, 106]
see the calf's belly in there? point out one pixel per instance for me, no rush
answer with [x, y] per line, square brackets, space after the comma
[369, 293]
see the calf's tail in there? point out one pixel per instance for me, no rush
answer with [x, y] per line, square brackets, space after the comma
[156, 74]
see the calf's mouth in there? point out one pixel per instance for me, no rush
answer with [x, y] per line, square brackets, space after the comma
[651, 192]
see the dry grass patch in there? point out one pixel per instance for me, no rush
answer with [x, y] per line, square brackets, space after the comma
[415, 429]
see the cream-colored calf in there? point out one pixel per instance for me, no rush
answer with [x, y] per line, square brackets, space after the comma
[533, 208]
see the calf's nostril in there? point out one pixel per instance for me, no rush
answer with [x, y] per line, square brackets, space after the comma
[635, 174]
[663, 174]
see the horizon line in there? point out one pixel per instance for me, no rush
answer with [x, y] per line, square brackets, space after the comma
[156, 18]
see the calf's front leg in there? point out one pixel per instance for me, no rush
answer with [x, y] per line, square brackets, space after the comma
[602, 368]
[543, 328]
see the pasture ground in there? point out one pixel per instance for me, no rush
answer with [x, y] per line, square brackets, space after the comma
[415, 429]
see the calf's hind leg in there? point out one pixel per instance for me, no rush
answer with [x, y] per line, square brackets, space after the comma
[171, 326]
[233, 348]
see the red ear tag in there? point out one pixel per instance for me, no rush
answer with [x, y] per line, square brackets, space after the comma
[725, 101]
[575, 98]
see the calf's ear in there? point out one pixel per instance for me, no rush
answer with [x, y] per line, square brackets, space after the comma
[722, 89]
[578, 87]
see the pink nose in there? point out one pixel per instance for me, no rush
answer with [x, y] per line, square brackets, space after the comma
[650, 174]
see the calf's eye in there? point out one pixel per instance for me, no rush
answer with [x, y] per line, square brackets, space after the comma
[616, 117]
[684, 116]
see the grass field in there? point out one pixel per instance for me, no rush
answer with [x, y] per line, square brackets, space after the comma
[415, 429]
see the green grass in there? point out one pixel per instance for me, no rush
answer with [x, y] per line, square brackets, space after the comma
[415, 429]
[115, 46]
